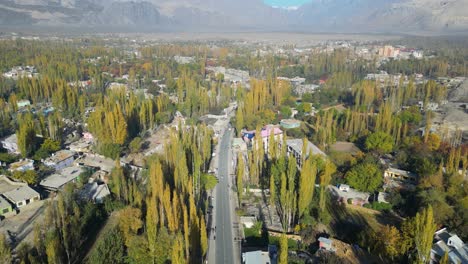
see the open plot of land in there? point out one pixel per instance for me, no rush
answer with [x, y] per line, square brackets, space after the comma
[19, 228]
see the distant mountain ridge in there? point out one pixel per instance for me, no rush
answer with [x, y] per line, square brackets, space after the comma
[196, 15]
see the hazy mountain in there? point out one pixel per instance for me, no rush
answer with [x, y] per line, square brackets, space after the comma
[205, 15]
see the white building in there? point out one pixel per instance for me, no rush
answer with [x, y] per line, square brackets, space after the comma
[22, 165]
[56, 181]
[10, 143]
[450, 243]
[60, 159]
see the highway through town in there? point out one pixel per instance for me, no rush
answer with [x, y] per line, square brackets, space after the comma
[223, 232]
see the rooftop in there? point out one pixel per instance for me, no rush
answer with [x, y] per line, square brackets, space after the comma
[20, 194]
[267, 130]
[57, 180]
[296, 145]
[59, 156]
[10, 139]
[256, 257]
[21, 163]
[4, 203]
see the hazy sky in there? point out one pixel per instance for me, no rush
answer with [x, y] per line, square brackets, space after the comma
[286, 3]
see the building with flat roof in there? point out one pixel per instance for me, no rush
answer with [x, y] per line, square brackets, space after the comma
[10, 143]
[22, 196]
[60, 159]
[256, 257]
[294, 147]
[22, 165]
[59, 179]
[290, 123]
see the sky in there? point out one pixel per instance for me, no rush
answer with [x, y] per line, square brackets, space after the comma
[286, 3]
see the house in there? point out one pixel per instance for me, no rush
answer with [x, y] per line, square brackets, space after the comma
[80, 146]
[22, 165]
[325, 244]
[402, 175]
[57, 180]
[451, 243]
[22, 196]
[5, 207]
[382, 197]
[60, 159]
[343, 187]
[95, 192]
[265, 134]
[290, 123]
[23, 103]
[294, 147]
[260, 256]
[10, 143]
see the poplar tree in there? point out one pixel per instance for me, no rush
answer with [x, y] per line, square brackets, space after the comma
[306, 185]
[240, 176]
[283, 254]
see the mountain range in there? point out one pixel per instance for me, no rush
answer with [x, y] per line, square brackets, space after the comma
[395, 16]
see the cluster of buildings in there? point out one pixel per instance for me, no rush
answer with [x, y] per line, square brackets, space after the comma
[66, 166]
[232, 76]
[21, 72]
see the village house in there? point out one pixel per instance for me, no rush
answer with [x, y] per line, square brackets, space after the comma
[290, 123]
[22, 165]
[23, 103]
[60, 159]
[325, 244]
[22, 196]
[57, 180]
[294, 147]
[265, 134]
[95, 192]
[452, 244]
[402, 175]
[10, 143]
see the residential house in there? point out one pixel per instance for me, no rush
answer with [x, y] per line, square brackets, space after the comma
[290, 123]
[10, 143]
[450, 243]
[294, 147]
[22, 165]
[23, 103]
[22, 196]
[261, 257]
[95, 192]
[5, 207]
[265, 134]
[60, 159]
[326, 244]
[59, 179]
[344, 187]
[402, 175]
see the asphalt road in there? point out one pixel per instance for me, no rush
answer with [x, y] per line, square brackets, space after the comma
[224, 243]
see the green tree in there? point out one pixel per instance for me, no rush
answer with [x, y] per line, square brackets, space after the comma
[30, 176]
[424, 229]
[306, 185]
[239, 120]
[110, 249]
[380, 142]
[283, 254]
[26, 134]
[365, 177]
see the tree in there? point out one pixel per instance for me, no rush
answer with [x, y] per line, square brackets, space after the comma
[424, 229]
[283, 255]
[129, 223]
[387, 241]
[203, 236]
[306, 185]
[365, 177]
[445, 258]
[135, 145]
[325, 178]
[30, 176]
[26, 134]
[5, 250]
[110, 249]
[380, 142]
